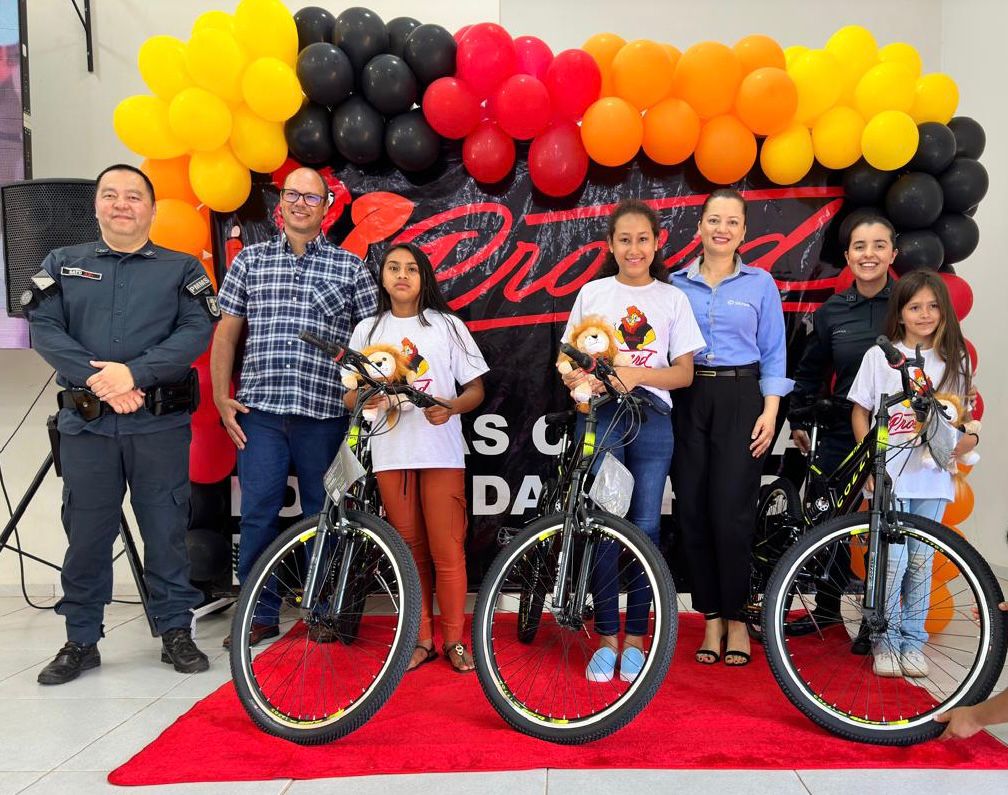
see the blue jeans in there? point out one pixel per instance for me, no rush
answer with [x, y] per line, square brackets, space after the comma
[273, 442]
[648, 458]
[908, 584]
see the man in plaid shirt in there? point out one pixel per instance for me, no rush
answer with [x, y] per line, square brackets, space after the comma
[289, 404]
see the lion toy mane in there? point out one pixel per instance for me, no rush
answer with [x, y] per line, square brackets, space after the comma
[594, 336]
[387, 364]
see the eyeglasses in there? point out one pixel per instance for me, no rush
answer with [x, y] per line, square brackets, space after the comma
[291, 196]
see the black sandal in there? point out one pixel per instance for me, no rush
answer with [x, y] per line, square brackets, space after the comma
[746, 657]
[457, 656]
[431, 655]
[706, 660]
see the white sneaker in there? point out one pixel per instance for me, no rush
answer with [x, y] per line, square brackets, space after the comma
[914, 663]
[887, 664]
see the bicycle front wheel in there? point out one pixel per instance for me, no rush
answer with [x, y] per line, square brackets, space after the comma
[950, 613]
[329, 670]
[536, 680]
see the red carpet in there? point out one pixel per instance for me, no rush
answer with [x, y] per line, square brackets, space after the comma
[439, 721]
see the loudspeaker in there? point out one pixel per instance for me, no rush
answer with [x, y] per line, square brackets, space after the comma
[38, 216]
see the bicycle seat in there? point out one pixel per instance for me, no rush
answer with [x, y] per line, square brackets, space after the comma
[560, 418]
[822, 410]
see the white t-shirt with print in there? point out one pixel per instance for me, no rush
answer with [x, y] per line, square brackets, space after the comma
[435, 355]
[654, 323]
[912, 477]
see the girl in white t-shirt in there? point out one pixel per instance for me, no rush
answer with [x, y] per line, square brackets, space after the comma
[656, 327]
[920, 313]
[419, 462]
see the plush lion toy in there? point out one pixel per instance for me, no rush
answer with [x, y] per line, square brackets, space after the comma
[387, 364]
[594, 336]
[957, 414]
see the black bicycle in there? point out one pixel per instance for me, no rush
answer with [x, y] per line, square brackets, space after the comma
[532, 623]
[347, 592]
[956, 597]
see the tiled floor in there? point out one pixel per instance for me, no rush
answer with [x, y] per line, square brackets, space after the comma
[68, 738]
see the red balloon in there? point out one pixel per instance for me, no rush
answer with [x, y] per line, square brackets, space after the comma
[972, 351]
[211, 454]
[451, 107]
[574, 82]
[485, 57]
[844, 280]
[461, 32]
[521, 107]
[978, 407]
[532, 56]
[557, 160]
[960, 293]
[488, 153]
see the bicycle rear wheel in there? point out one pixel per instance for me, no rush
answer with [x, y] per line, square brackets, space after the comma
[536, 681]
[778, 524]
[328, 671]
[840, 691]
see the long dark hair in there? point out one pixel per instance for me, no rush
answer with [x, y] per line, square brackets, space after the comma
[632, 207]
[948, 337]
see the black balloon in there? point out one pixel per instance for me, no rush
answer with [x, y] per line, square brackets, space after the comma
[389, 85]
[411, 143]
[309, 135]
[972, 210]
[865, 185]
[430, 53]
[209, 554]
[964, 184]
[920, 249]
[946, 268]
[325, 73]
[314, 24]
[399, 30]
[959, 236]
[970, 137]
[357, 130]
[361, 34]
[936, 149]
[914, 201]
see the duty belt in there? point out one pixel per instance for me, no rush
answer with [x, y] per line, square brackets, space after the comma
[158, 400]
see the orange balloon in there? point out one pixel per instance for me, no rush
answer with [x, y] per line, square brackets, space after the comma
[642, 73]
[674, 53]
[179, 226]
[960, 507]
[603, 48]
[612, 131]
[766, 100]
[707, 77]
[965, 469]
[726, 150]
[758, 51]
[942, 569]
[941, 612]
[671, 131]
[170, 178]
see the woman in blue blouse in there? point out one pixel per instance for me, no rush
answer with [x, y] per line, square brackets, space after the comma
[725, 421]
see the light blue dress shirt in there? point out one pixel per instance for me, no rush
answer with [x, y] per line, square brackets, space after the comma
[742, 322]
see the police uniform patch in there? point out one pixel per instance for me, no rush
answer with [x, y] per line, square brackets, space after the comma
[199, 285]
[212, 306]
[67, 271]
[43, 282]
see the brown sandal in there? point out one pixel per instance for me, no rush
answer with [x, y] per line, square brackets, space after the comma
[459, 657]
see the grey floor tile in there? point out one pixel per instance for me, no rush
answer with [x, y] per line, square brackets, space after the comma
[522, 782]
[79, 783]
[737, 782]
[14, 661]
[41, 735]
[15, 782]
[919, 782]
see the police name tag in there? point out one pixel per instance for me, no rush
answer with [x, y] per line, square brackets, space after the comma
[80, 272]
[199, 285]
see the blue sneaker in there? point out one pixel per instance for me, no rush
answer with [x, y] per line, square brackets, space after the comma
[630, 663]
[602, 665]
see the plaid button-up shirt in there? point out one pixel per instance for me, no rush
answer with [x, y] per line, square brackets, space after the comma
[326, 291]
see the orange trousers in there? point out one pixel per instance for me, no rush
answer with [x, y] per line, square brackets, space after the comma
[428, 508]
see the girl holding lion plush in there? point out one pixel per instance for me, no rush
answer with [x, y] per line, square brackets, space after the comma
[648, 328]
[419, 461]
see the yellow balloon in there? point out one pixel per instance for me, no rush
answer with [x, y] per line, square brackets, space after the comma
[816, 75]
[889, 140]
[901, 52]
[258, 144]
[161, 61]
[266, 28]
[219, 179]
[271, 89]
[856, 51]
[141, 122]
[936, 99]
[218, 20]
[886, 86]
[216, 62]
[201, 119]
[836, 137]
[792, 53]
[787, 156]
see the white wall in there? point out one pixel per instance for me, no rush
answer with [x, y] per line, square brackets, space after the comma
[73, 137]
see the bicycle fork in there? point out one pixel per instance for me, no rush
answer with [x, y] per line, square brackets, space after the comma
[311, 587]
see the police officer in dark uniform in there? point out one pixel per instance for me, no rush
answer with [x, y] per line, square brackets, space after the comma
[121, 321]
[843, 329]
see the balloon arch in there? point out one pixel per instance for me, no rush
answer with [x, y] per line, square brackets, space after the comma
[403, 103]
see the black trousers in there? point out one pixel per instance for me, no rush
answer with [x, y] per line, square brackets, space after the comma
[833, 446]
[717, 484]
